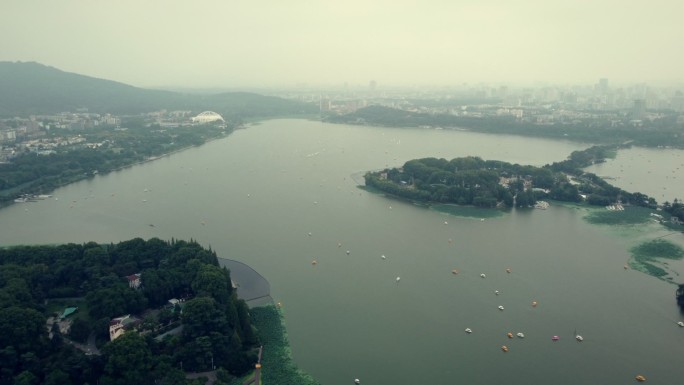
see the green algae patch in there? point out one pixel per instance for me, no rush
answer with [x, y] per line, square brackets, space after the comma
[277, 366]
[467, 211]
[631, 215]
[648, 257]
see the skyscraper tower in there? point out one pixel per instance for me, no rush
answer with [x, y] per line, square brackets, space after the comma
[639, 109]
[602, 86]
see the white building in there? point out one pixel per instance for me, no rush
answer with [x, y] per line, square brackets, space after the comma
[207, 117]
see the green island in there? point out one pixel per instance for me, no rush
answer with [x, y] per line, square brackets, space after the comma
[148, 312]
[474, 182]
[492, 183]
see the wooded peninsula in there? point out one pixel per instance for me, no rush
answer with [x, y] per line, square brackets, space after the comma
[136, 312]
[491, 183]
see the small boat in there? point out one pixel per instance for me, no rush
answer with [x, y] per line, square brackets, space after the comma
[314, 262]
[398, 279]
[640, 378]
[520, 335]
[467, 330]
[383, 256]
[483, 275]
[501, 307]
[508, 271]
[454, 271]
[534, 303]
[357, 381]
[348, 252]
[555, 338]
[496, 292]
[681, 324]
[579, 338]
[504, 348]
[509, 335]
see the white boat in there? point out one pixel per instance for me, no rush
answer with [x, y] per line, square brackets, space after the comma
[681, 324]
[501, 307]
[579, 338]
[467, 330]
[520, 335]
[482, 275]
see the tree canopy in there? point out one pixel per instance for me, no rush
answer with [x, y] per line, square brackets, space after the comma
[493, 183]
[216, 326]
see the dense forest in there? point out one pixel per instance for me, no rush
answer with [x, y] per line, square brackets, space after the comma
[491, 183]
[208, 326]
[657, 133]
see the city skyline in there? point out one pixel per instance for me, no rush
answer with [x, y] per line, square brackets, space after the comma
[214, 44]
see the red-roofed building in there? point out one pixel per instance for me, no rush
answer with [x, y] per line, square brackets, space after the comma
[134, 281]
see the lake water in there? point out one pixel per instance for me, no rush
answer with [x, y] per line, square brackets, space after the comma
[655, 172]
[282, 194]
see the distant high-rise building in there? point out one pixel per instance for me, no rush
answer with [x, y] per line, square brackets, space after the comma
[602, 86]
[639, 109]
[325, 104]
[372, 85]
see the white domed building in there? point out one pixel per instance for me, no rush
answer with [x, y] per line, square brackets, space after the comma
[207, 117]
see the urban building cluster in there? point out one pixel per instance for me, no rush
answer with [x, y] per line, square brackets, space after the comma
[19, 135]
[545, 105]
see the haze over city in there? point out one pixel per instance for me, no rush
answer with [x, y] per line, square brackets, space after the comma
[213, 43]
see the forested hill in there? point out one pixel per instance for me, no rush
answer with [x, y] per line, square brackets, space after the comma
[32, 88]
[40, 282]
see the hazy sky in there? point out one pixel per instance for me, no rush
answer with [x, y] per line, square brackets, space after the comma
[236, 43]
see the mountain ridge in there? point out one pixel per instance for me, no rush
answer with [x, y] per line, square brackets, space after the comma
[29, 88]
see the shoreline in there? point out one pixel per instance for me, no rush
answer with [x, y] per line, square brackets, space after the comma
[11, 201]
